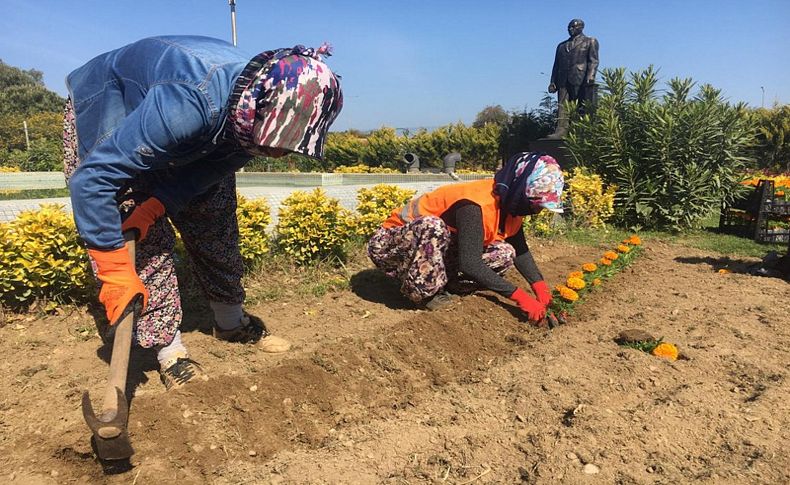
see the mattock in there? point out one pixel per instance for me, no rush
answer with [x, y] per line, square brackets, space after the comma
[109, 428]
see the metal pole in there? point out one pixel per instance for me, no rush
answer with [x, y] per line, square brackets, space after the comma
[232, 4]
[27, 137]
[762, 103]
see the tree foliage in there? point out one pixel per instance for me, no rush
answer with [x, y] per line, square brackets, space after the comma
[491, 114]
[773, 138]
[674, 158]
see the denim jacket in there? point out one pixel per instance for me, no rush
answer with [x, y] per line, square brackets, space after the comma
[153, 109]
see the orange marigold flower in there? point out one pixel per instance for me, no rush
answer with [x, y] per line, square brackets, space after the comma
[575, 283]
[635, 240]
[611, 255]
[725, 271]
[567, 293]
[596, 281]
[623, 248]
[589, 267]
[606, 262]
[666, 350]
[576, 274]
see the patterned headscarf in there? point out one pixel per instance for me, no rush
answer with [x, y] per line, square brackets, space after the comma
[527, 183]
[285, 99]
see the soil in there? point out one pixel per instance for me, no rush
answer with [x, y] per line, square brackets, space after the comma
[375, 391]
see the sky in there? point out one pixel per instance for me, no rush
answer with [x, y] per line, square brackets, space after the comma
[427, 63]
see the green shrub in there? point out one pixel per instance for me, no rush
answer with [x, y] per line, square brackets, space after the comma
[313, 226]
[41, 260]
[674, 159]
[376, 204]
[773, 137]
[254, 217]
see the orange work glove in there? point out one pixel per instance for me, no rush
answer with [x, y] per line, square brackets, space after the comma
[143, 217]
[535, 310]
[120, 283]
[542, 292]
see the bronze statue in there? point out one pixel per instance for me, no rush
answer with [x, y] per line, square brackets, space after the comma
[573, 74]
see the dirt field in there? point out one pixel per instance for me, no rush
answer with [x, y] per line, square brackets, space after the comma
[376, 392]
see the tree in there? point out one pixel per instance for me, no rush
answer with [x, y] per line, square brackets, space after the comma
[491, 114]
[23, 92]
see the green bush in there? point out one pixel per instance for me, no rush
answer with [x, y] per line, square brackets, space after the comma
[42, 261]
[674, 158]
[254, 217]
[773, 138]
[313, 226]
[376, 204]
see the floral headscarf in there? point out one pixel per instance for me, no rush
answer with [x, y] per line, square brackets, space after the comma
[285, 99]
[527, 183]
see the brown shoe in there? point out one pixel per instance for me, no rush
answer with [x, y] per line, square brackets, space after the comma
[179, 372]
[253, 331]
[439, 301]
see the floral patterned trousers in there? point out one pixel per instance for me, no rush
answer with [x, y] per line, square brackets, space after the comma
[423, 256]
[210, 232]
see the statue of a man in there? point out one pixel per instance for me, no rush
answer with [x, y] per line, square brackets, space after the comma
[573, 74]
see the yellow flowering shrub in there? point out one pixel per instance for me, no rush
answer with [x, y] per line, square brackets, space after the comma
[540, 224]
[42, 260]
[9, 169]
[313, 226]
[591, 205]
[361, 168]
[254, 217]
[376, 204]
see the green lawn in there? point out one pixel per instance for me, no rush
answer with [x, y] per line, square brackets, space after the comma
[33, 194]
[706, 238]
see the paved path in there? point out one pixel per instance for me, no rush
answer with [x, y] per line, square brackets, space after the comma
[347, 194]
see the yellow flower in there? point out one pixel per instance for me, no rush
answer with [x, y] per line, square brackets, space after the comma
[576, 274]
[635, 240]
[623, 248]
[666, 350]
[606, 262]
[575, 283]
[589, 267]
[611, 255]
[596, 281]
[567, 293]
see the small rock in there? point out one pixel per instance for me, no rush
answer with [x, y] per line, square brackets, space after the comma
[212, 446]
[188, 414]
[253, 388]
[520, 418]
[633, 335]
[590, 469]
[252, 453]
[197, 448]
[54, 473]
[651, 469]
[486, 381]
[571, 456]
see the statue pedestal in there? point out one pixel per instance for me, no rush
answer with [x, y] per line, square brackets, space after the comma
[554, 147]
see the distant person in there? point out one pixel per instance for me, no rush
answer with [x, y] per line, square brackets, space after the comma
[573, 73]
[156, 130]
[467, 235]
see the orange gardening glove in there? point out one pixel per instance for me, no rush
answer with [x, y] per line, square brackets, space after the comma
[542, 292]
[143, 217]
[535, 310]
[120, 283]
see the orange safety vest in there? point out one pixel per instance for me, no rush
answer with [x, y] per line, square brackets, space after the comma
[436, 203]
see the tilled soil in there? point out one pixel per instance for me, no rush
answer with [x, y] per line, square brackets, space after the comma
[377, 392]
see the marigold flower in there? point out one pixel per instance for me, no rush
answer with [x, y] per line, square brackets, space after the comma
[567, 293]
[576, 274]
[596, 281]
[589, 267]
[666, 350]
[575, 283]
[611, 255]
[635, 240]
[725, 271]
[623, 248]
[606, 262]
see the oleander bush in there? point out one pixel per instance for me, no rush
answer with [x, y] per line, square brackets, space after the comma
[376, 204]
[42, 260]
[313, 226]
[674, 158]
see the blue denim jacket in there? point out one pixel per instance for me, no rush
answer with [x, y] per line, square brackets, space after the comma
[152, 109]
